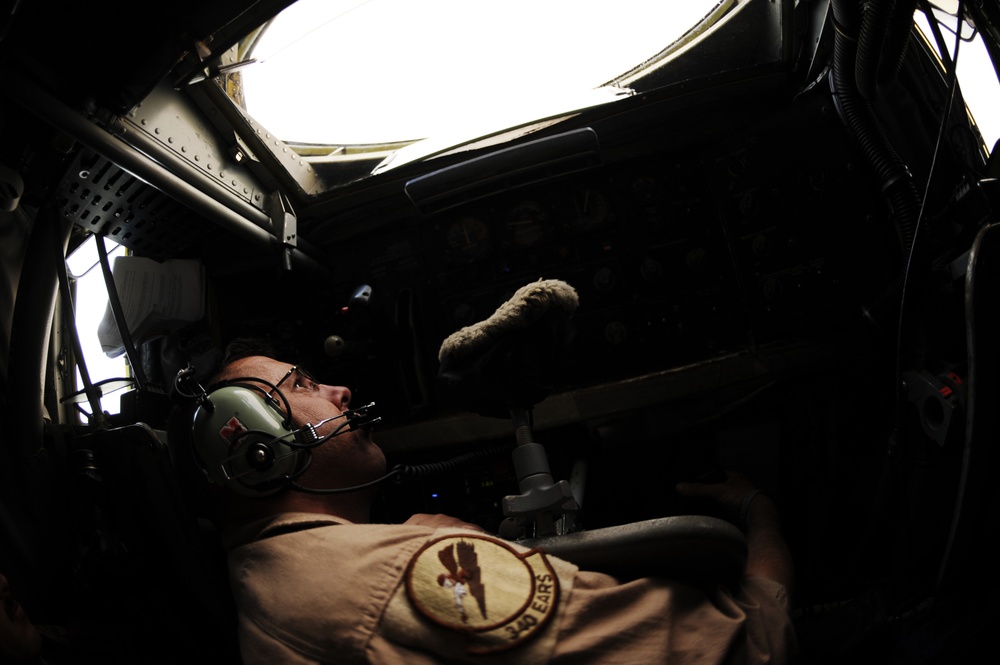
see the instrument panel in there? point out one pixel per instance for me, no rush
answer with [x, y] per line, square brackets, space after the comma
[676, 257]
[726, 238]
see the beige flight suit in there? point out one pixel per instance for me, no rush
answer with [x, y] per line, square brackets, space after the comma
[317, 589]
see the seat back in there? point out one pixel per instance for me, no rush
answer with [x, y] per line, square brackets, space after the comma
[160, 571]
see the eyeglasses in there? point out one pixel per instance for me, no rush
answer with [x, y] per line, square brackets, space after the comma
[304, 381]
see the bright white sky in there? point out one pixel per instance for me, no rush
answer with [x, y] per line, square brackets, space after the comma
[976, 74]
[392, 70]
[373, 71]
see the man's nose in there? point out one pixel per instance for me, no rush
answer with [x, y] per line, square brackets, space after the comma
[340, 396]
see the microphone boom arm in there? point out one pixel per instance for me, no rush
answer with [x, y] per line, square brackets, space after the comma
[544, 505]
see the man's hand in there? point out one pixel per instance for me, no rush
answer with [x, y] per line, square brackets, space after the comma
[767, 553]
[437, 521]
[727, 496]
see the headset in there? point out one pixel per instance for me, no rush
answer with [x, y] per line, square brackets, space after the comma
[243, 437]
[243, 441]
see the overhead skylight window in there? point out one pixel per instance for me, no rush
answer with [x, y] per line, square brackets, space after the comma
[382, 72]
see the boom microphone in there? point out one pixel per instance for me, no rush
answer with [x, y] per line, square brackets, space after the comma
[362, 416]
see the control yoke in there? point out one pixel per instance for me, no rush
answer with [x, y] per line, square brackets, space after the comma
[501, 367]
[505, 365]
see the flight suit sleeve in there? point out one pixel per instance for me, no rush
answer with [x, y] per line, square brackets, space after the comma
[657, 620]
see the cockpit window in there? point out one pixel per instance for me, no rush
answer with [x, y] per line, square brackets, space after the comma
[976, 73]
[90, 302]
[372, 76]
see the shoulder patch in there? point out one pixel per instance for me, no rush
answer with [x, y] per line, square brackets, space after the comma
[484, 589]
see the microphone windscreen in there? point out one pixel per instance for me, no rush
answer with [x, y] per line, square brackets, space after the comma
[528, 304]
[512, 357]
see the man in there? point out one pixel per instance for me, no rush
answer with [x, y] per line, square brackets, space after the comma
[314, 581]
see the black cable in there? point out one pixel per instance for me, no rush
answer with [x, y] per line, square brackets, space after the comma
[892, 173]
[908, 274]
[186, 377]
[935, 27]
[433, 468]
[886, 307]
[908, 270]
[405, 472]
[116, 309]
[882, 40]
[69, 311]
[344, 490]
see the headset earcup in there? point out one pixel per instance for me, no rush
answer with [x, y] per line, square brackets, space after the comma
[241, 441]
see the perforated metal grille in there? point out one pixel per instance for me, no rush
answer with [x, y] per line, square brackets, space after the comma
[105, 199]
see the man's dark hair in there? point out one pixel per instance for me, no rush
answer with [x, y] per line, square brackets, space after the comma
[245, 347]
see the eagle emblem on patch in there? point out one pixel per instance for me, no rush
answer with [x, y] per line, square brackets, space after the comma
[463, 576]
[483, 589]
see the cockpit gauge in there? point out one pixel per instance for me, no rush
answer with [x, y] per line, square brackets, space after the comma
[645, 189]
[527, 223]
[467, 239]
[590, 209]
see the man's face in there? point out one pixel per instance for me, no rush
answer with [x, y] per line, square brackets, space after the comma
[347, 459]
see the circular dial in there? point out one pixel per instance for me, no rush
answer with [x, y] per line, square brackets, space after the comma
[467, 239]
[590, 209]
[645, 189]
[526, 224]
